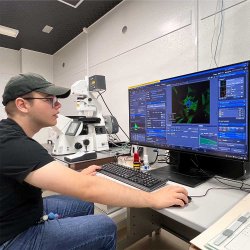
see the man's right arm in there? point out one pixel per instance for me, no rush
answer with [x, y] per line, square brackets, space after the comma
[58, 178]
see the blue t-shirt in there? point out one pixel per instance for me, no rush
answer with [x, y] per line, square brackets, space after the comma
[21, 204]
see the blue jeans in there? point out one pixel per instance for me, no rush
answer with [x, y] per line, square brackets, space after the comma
[77, 229]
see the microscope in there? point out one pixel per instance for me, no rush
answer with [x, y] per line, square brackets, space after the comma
[80, 137]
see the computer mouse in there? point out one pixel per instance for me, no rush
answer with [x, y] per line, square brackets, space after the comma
[189, 200]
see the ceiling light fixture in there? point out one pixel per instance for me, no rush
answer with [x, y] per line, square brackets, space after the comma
[8, 31]
[71, 3]
[47, 29]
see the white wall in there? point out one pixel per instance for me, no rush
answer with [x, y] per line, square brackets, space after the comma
[9, 66]
[158, 40]
[164, 38]
[36, 62]
[15, 62]
[70, 65]
[234, 39]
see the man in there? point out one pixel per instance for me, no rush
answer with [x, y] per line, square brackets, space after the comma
[57, 222]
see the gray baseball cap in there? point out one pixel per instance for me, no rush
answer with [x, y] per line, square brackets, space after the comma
[23, 84]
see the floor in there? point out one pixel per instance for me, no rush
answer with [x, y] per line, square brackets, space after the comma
[163, 241]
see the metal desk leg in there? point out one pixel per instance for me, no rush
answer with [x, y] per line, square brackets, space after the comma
[140, 223]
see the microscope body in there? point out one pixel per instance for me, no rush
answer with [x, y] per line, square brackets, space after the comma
[86, 132]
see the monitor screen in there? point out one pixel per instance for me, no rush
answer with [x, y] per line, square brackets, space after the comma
[204, 113]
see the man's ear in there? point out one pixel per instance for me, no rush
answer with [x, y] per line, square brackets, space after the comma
[22, 105]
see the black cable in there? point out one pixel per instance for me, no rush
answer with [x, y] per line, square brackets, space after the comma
[219, 178]
[100, 94]
[226, 188]
[221, 24]
[117, 137]
[122, 146]
[211, 45]
[242, 184]
[111, 139]
[196, 164]
[157, 154]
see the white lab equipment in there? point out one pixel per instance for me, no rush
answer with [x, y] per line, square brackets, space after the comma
[87, 132]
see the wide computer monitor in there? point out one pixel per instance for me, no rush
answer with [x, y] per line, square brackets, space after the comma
[201, 118]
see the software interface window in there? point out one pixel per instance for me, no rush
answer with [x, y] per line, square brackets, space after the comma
[204, 112]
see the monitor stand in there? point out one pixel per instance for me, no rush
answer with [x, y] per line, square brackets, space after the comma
[171, 173]
[184, 172]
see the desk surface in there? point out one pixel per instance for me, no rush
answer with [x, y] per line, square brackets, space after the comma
[202, 212]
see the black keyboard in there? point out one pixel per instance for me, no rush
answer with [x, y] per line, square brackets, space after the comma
[136, 178]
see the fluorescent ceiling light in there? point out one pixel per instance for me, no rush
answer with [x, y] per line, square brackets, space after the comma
[71, 3]
[8, 31]
[47, 29]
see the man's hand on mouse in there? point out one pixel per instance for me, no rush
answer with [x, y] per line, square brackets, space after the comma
[169, 196]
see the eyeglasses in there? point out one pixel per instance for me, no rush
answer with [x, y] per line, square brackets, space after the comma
[51, 100]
